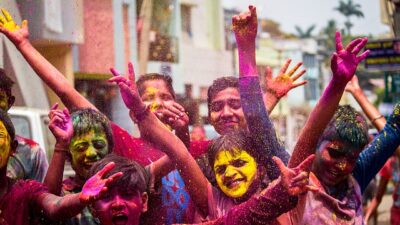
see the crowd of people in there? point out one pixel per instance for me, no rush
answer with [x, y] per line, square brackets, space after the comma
[244, 176]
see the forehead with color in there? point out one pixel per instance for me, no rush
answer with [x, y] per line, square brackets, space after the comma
[226, 94]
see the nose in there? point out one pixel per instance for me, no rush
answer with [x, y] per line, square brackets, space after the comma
[117, 203]
[156, 104]
[230, 172]
[342, 165]
[91, 153]
[227, 111]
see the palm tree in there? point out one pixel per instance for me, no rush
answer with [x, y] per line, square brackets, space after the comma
[305, 34]
[349, 9]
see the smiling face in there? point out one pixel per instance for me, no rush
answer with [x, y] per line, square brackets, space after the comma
[235, 172]
[86, 149]
[121, 206]
[156, 94]
[5, 146]
[226, 112]
[334, 162]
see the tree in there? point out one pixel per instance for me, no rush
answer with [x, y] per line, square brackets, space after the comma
[305, 34]
[349, 9]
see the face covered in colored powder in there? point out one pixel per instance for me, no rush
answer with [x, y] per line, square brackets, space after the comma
[4, 101]
[87, 149]
[334, 162]
[226, 112]
[156, 95]
[5, 146]
[121, 206]
[235, 172]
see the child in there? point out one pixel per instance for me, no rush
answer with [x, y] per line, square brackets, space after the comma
[21, 199]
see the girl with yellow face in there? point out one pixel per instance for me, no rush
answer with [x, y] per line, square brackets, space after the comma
[5, 145]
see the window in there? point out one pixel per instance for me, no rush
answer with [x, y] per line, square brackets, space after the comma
[309, 60]
[311, 89]
[22, 126]
[186, 21]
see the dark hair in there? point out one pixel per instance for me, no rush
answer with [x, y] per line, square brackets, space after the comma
[347, 125]
[232, 142]
[219, 85]
[155, 76]
[5, 83]
[84, 120]
[134, 176]
[4, 117]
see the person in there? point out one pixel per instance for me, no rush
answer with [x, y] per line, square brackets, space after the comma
[22, 198]
[29, 160]
[198, 133]
[391, 169]
[127, 197]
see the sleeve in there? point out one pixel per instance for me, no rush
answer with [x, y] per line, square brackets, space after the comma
[386, 171]
[259, 124]
[375, 155]
[261, 209]
[40, 164]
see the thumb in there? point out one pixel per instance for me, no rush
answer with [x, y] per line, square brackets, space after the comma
[268, 73]
[131, 72]
[306, 164]
[279, 163]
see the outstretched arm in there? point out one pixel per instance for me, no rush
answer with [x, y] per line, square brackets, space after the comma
[158, 134]
[376, 201]
[58, 208]
[61, 127]
[344, 63]
[44, 69]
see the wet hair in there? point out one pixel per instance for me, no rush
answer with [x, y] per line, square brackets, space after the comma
[231, 142]
[347, 125]
[85, 120]
[155, 76]
[5, 83]
[8, 124]
[134, 176]
[219, 85]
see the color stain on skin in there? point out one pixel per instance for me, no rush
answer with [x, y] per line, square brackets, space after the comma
[152, 91]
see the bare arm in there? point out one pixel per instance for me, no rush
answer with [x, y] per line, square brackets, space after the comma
[45, 70]
[344, 63]
[197, 183]
[373, 206]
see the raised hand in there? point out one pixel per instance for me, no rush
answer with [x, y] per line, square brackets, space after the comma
[61, 125]
[295, 180]
[128, 89]
[344, 61]
[174, 115]
[244, 26]
[284, 82]
[353, 86]
[15, 33]
[96, 186]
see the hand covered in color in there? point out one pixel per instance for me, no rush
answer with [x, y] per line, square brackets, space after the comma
[344, 61]
[61, 124]
[284, 82]
[96, 186]
[244, 26]
[174, 115]
[129, 92]
[295, 180]
[353, 86]
[15, 33]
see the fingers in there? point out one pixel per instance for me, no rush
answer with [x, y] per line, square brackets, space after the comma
[66, 113]
[55, 106]
[268, 73]
[7, 15]
[360, 46]
[113, 177]
[106, 169]
[285, 66]
[298, 75]
[300, 178]
[334, 60]
[350, 47]
[279, 163]
[312, 188]
[114, 72]
[2, 20]
[298, 84]
[24, 24]
[363, 56]
[338, 42]
[294, 68]
[131, 72]
[306, 164]
[117, 79]
[253, 11]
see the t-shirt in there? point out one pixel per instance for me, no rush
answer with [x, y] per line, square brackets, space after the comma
[17, 204]
[391, 171]
[320, 208]
[29, 161]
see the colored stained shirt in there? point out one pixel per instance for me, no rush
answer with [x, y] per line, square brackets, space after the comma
[391, 171]
[260, 126]
[29, 161]
[17, 205]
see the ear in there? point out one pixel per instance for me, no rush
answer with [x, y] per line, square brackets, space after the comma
[145, 198]
[11, 101]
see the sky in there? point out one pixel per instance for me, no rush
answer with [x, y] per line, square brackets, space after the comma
[304, 13]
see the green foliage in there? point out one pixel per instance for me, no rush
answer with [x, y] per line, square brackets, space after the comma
[349, 9]
[306, 33]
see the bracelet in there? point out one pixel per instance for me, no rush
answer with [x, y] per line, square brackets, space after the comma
[60, 149]
[376, 118]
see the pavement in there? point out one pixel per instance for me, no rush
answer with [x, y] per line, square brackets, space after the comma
[384, 211]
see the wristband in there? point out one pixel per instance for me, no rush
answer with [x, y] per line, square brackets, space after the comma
[61, 149]
[376, 118]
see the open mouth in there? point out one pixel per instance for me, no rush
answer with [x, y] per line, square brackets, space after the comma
[234, 183]
[120, 219]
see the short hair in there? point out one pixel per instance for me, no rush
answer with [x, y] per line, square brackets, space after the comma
[5, 83]
[232, 142]
[155, 76]
[5, 118]
[134, 176]
[219, 85]
[347, 125]
[84, 120]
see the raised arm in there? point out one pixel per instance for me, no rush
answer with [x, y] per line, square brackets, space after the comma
[353, 87]
[61, 127]
[44, 69]
[59, 208]
[159, 134]
[344, 63]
